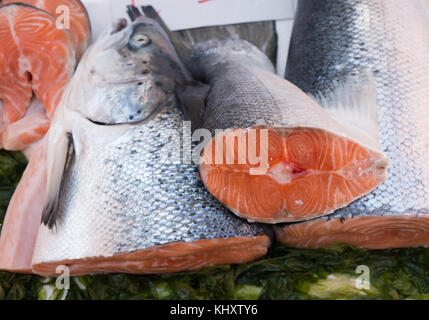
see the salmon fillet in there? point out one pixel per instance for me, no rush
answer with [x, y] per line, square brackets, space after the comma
[169, 258]
[35, 56]
[19, 231]
[79, 28]
[361, 232]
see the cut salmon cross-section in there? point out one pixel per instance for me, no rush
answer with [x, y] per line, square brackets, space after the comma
[35, 56]
[306, 173]
[71, 14]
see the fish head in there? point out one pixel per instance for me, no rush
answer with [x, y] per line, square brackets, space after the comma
[128, 73]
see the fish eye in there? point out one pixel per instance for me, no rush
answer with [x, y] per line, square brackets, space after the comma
[139, 40]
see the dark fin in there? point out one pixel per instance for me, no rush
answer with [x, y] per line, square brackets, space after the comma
[183, 51]
[192, 97]
[50, 213]
[133, 12]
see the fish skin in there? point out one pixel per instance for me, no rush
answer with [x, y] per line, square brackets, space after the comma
[255, 95]
[334, 39]
[245, 93]
[401, 71]
[122, 197]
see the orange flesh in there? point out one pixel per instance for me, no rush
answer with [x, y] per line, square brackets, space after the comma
[169, 258]
[366, 232]
[35, 56]
[24, 132]
[22, 221]
[308, 173]
[80, 30]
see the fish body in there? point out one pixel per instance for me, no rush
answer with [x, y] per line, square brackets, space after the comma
[308, 164]
[335, 40]
[119, 197]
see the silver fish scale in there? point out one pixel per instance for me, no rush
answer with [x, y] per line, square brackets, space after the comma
[245, 101]
[123, 197]
[334, 39]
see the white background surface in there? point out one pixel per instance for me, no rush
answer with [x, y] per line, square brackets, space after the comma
[187, 14]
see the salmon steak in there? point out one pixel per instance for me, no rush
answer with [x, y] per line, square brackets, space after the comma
[39, 60]
[75, 19]
[273, 154]
[391, 43]
[115, 196]
[310, 172]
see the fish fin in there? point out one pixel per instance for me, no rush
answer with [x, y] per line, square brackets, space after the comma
[193, 97]
[58, 175]
[133, 12]
[183, 50]
[353, 102]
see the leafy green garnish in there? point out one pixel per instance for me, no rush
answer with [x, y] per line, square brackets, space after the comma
[285, 273]
[12, 165]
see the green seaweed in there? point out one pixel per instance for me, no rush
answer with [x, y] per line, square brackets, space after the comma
[12, 165]
[285, 273]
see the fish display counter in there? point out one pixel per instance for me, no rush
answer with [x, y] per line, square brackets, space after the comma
[211, 149]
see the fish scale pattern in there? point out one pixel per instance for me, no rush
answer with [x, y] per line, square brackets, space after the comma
[137, 198]
[226, 66]
[335, 39]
